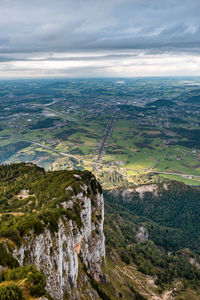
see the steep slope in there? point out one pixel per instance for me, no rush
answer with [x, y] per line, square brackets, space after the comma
[173, 206]
[52, 240]
[55, 220]
[155, 230]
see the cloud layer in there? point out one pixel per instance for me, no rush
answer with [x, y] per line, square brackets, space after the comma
[99, 38]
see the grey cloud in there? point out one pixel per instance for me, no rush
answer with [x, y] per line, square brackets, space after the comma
[48, 57]
[34, 26]
[96, 31]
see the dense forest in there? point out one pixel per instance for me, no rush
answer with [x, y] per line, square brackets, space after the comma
[172, 221]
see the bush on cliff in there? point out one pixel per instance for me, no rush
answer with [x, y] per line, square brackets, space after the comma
[10, 292]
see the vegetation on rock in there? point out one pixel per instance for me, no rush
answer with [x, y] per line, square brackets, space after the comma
[171, 220]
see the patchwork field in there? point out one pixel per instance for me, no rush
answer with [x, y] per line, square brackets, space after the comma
[140, 129]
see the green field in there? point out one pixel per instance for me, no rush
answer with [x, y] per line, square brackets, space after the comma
[106, 127]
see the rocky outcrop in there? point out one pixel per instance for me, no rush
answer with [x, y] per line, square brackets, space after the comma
[58, 253]
[127, 195]
[141, 234]
[150, 188]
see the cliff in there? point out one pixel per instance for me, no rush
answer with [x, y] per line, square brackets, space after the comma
[57, 254]
[52, 240]
[77, 238]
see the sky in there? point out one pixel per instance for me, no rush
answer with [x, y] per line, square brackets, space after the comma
[99, 38]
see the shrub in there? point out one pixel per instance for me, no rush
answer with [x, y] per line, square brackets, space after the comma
[125, 258]
[6, 258]
[35, 278]
[50, 218]
[12, 234]
[28, 223]
[10, 292]
[39, 283]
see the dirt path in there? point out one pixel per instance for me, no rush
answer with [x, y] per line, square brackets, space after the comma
[144, 289]
[12, 213]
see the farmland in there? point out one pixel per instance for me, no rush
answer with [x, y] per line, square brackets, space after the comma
[127, 131]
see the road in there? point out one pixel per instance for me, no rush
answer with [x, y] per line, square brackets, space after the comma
[64, 116]
[162, 172]
[98, 162]
[60, 114]
[105, 139]
[53, 150]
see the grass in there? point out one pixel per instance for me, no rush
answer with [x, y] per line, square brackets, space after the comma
[188, 294]
[126, 279]
[180, 178]
[137, 145]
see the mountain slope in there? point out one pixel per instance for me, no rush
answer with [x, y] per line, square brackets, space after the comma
[156, 229]
[51, 221]
[52, 240]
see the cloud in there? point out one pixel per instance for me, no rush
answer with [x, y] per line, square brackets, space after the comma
[120, 65]
[42, 35]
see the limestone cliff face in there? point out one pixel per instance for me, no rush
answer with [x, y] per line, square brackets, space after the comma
[58, 253]
[141, 234]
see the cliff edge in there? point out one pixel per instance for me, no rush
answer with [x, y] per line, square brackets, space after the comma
[66, 228]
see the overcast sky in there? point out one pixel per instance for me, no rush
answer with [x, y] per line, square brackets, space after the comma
[93, 38]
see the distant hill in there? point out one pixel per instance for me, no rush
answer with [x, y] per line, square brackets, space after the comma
[161, 102]
[194, 99]
[128, 108]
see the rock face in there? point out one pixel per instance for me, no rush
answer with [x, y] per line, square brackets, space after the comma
[128, 194]
[151, 188]
[58, 253]
[141, 234]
